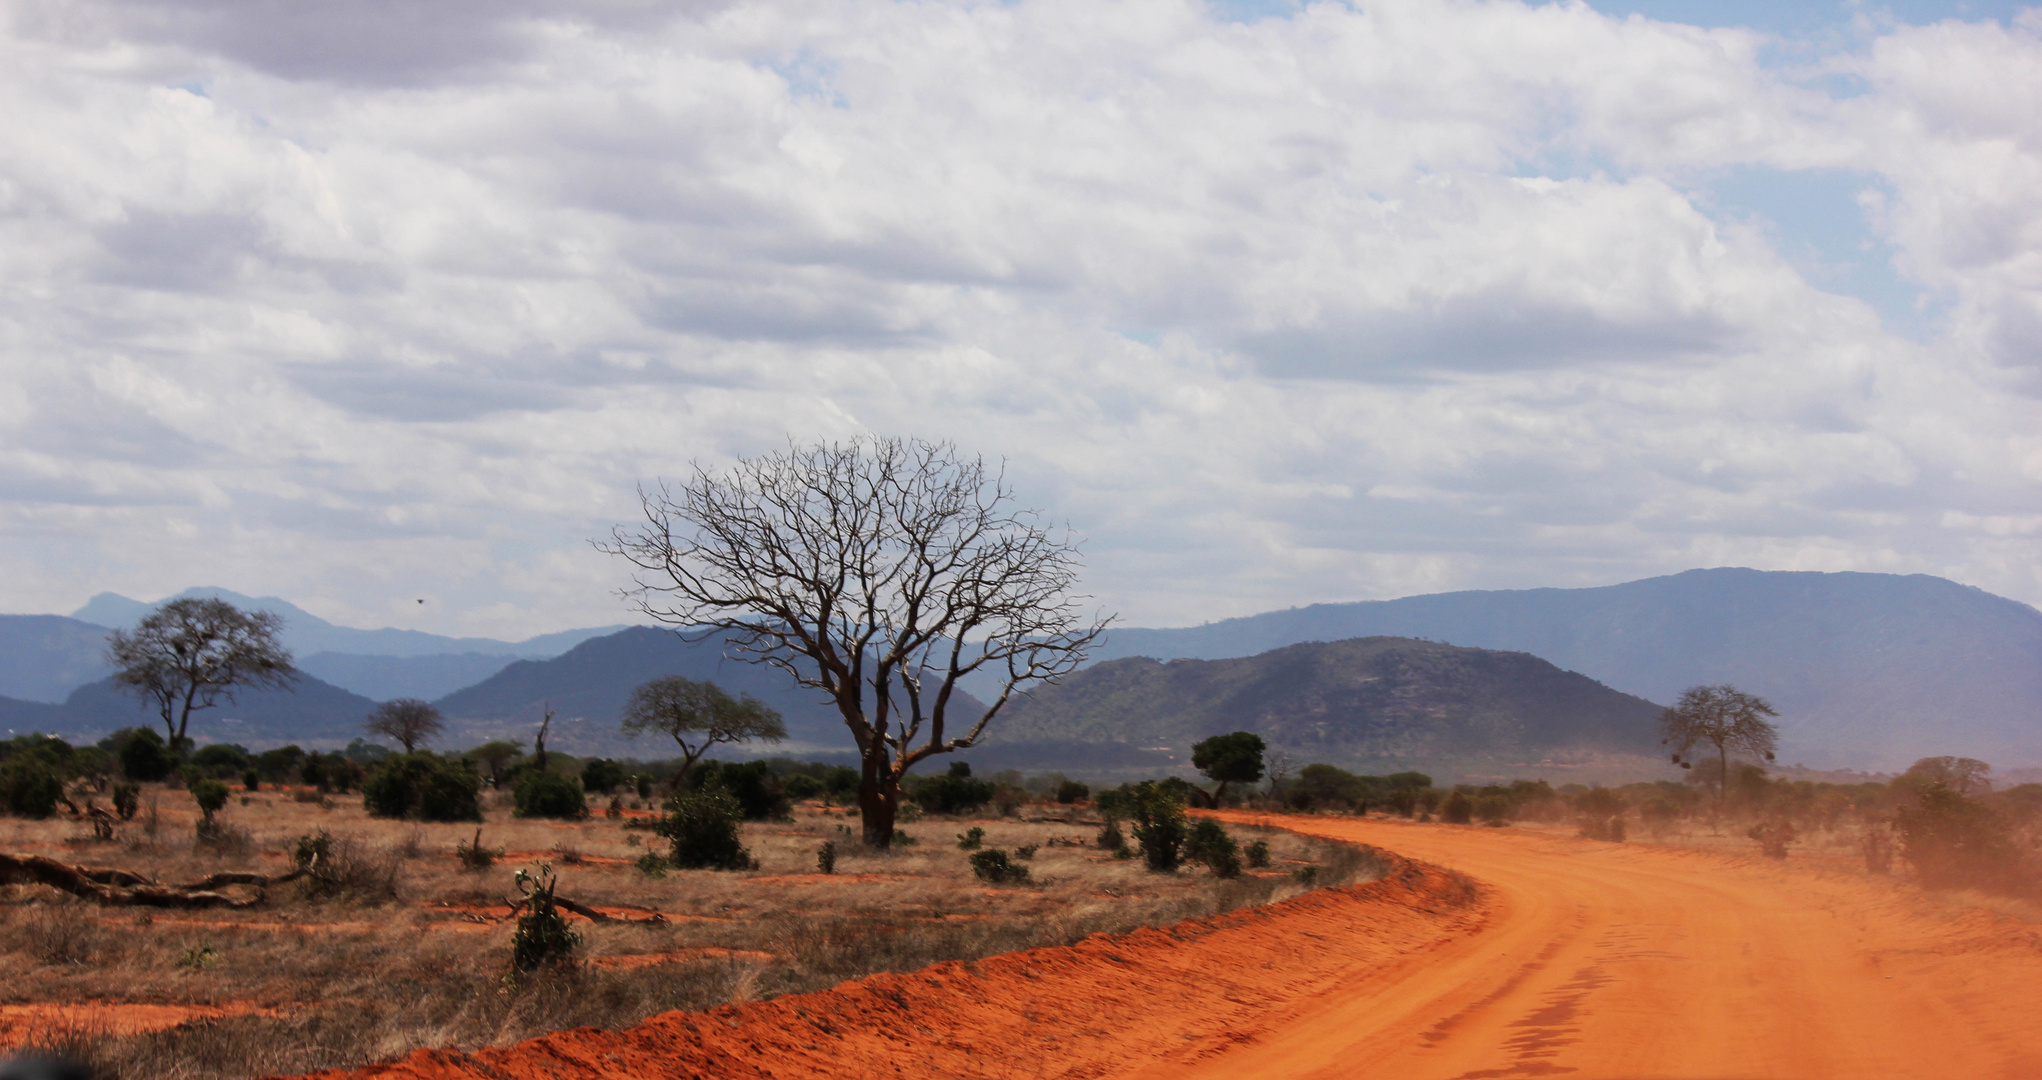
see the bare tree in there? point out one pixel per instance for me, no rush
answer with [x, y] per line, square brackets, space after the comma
[408, 720]
[192, 653]
[880, 572]
[698, 715]
[1721, 716]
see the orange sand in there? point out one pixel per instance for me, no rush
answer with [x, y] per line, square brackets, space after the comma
[1578, 958]
[19, 1022]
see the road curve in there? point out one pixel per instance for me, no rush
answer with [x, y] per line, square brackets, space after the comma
[1627, 961]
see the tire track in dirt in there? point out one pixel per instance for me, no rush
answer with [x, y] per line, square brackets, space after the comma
[1082, 1010]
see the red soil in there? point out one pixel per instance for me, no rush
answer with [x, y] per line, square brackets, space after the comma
[1572, 957]
[19, 1022]
[1043, 1011]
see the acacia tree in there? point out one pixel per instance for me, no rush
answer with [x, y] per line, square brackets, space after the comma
[1723, 717]
[1234, 758]
[880, 572]
[407, 720]
[192, 653]
[698, 715]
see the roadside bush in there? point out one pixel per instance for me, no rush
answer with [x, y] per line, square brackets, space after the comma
[1773, 837]
[1955, 841]
[702, 826]
[1257, 854]
[956, 792]
[423, 787]
[1458, 809]
[1070, 791]
[144, 757]
[30, 787]
[1209, 845]
[1602, 814]
[545, 794]
[1493, 809]
[992, 865]
[1160, 826]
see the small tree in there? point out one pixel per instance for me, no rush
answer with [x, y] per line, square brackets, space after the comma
[1160, 826]
[1723, 717]
[882, 573]
[496, 758]
[407, 720]
[191, 654]
[697, 715]
[702, 825]
[1963, 775]
[1230, 759]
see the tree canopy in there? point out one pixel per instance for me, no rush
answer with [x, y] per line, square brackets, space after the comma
[1723, 717]
[1234, 758]
[698, 714]
[880, 572]
[407, 720]
[192, 653]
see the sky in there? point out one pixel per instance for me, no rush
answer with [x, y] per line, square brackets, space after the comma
[1274, 303]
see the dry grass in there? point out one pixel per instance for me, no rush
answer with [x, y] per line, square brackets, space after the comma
[404, 946]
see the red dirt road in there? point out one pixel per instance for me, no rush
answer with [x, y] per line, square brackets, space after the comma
[1579, 959]
[1626, 961]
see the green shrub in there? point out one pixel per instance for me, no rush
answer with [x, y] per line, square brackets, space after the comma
[702, 826]
[542, 936]
[971, 839]
[144, 757]
[211, 795]
[1257, 854]
[221, 759]
[1305, 875]
[1209, 845]
[653, 865]
[1070, 791]
[751, 784]
[826, 857]
[1160, 826]
[992, 865]
[127, 798]
[1110, 837]
[542, 793]
[1027, 851]
[424, 787]
[30, 787]
[1492, 809]
[251, 780]
[1458, 810]
[801, 786]
[956, 792]
[602, 775]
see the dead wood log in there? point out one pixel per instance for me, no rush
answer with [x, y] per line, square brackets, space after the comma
[119, 888]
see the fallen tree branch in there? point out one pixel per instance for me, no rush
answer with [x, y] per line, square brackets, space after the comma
[119, 888]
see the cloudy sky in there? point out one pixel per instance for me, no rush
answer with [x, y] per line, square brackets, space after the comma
[363, 303]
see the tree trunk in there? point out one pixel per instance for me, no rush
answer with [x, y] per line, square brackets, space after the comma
[878, 797]
[1722, 774]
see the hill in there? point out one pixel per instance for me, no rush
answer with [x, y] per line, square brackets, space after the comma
[1377, 701]
[310, 713]
[45, 657]
[1868, 670]
[588, 685]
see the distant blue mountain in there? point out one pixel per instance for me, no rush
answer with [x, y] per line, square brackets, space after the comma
[1868, 670]
[310, 711]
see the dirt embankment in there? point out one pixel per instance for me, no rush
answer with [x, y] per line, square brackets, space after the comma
[1174, 993]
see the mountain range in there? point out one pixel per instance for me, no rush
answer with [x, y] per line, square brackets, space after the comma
[1867, 670]
[1386, 702]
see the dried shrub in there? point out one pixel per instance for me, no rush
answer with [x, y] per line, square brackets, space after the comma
[343, 868]
[971, 839]
[473, 855]
[1773, 837]
[1955, 841]
[1110, 837]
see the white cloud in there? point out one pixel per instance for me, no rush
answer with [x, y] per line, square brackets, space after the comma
[1354, 303]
